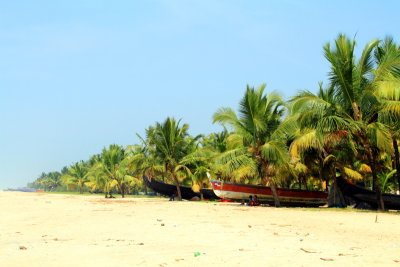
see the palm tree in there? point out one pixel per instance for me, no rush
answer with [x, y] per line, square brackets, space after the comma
[387, 88]
[98, 180]
[114, 164]
[171, 143]
[353, 82]
[323, 134]
[258, 124]
[200, 163]
[76, 176]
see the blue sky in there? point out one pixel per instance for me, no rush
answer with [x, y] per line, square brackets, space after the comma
[76, 76]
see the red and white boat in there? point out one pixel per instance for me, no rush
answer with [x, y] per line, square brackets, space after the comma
[287, 197]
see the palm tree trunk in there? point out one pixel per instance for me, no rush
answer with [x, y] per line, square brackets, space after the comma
[122, 191]
[271, 184]
[356, 111]
[321, 173]
[375, 182]
[274, 192]
[178, 188]
[396, 160]
[305, 182]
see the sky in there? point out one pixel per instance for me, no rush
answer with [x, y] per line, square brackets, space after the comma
[76, 76]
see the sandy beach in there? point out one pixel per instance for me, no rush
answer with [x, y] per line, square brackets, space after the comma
[39, 229]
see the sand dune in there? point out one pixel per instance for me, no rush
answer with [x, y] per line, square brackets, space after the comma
[40, 229]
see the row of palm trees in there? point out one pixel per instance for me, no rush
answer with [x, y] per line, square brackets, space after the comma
[350, 127]
[105, 172]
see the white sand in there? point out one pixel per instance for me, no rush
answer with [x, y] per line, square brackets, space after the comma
[69, 230]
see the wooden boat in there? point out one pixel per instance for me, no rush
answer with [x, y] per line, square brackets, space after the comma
[362, 196]
[170, 189]
[287, 197]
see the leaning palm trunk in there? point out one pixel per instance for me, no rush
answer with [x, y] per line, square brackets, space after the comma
[268, 179]
[397, 161]
[273, 189]
[178, 188]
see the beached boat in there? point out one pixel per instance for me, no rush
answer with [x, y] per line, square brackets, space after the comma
[287, 197]
[362, 196]
[170, 189]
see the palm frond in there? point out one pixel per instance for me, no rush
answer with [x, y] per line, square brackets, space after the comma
[307, 140]
[380, 136]
[275, 152]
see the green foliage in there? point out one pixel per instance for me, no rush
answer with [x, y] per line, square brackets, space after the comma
[77, 175]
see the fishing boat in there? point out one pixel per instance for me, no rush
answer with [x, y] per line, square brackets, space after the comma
[170, 189]
[362, 196]
[287, 197]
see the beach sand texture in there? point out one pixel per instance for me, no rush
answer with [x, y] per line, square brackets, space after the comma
[38, 229]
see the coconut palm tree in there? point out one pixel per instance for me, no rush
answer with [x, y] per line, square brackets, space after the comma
[76, 176]
[98, 180]
[258, 124]
[387, 89]
[352, 81]
[323, 129]
[200, 163]
[171, 143]
[114, 164]
[142, 160]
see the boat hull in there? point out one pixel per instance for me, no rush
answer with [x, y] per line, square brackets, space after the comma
[287, 197]
[170, 189]
[362, 195]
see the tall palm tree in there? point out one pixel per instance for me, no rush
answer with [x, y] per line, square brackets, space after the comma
[114, 164]
[356, 107]
[98, 180]
[171, 144]
[353, 81]
[387, 88]
[323, 131]
[200, 162]
[142, 160]
[76, 176]
[263, 134]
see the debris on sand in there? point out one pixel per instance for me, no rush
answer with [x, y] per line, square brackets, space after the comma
[307, 251]
[327, 259]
